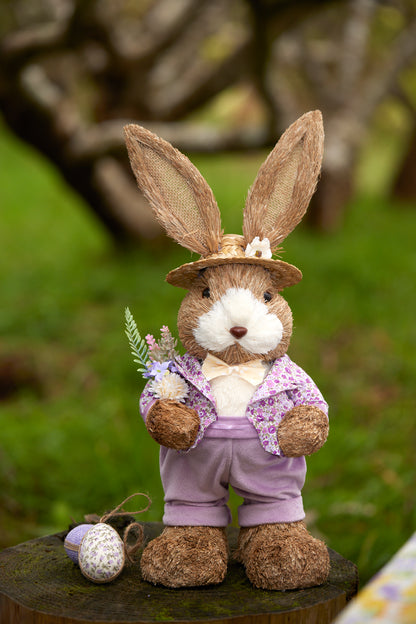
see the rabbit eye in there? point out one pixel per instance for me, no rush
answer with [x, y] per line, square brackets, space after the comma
[267, 297]
[206, 293]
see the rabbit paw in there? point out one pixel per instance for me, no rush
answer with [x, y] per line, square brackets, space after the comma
[282, 556]
[303, 431]
[186, 556]
[172, 424]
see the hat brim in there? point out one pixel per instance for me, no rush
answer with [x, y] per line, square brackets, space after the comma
[285, 274]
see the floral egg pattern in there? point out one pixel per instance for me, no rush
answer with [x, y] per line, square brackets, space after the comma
[101, 554]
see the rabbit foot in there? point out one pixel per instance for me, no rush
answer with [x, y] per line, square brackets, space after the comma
[186, 556]
[282, 556]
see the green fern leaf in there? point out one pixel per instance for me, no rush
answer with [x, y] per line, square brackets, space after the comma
[139, 348]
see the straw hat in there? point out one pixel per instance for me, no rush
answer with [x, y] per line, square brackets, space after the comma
[233, 250]
[184, 204]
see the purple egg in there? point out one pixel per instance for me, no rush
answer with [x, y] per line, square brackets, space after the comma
[73, 540]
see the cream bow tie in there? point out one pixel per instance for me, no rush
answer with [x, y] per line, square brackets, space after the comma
[253, 371]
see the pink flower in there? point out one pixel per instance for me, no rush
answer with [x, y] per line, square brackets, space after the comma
[150, 341]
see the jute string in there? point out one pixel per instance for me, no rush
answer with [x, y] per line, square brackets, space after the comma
[133, 528]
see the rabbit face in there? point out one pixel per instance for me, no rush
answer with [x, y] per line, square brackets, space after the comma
[236, 313]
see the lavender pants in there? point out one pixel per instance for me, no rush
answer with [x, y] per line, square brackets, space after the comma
[196, 483]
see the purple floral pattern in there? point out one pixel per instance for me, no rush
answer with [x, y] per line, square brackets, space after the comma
[286, 386]
[390, 596]
[101, 554]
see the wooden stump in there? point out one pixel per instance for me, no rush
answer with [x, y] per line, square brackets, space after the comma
[39, 584]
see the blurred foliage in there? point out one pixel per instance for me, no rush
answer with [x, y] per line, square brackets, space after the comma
[73, 442]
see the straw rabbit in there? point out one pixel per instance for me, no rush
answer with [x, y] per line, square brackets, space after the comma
[251, 414]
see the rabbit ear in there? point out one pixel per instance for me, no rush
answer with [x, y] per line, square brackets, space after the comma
[180, 197]
[285, 182]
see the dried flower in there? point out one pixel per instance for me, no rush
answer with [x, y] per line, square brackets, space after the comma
[165, 349]
[170, 386]
[151, 342]
[157, 370]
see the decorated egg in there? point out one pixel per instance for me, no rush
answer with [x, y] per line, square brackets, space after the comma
[73, 540]
[101, 554]
[98, 550]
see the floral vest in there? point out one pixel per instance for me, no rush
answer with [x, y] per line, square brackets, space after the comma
[285, 386]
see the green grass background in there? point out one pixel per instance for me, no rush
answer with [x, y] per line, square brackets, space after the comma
[81, 447]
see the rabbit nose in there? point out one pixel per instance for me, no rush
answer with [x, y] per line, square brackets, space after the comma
[238, 332]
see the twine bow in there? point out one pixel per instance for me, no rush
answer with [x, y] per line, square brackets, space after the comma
[134, 527]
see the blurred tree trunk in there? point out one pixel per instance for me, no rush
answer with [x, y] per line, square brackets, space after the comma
[339, 63]
[404, 186]
[73, 72]
[118, 206]
[327, 207]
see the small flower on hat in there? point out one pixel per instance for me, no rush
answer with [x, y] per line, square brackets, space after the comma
[258, 248]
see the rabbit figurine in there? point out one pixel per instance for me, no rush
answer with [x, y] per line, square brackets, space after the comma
[251, 415]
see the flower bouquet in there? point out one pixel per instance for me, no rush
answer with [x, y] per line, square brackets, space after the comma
[157, 361]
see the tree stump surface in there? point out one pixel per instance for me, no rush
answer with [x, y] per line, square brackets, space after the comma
[39, 584]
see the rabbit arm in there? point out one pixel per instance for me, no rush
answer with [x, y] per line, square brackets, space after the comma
[303, 430]
[172, 424]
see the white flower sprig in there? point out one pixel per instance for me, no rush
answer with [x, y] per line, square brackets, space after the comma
[157, 361]
[170, 386]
